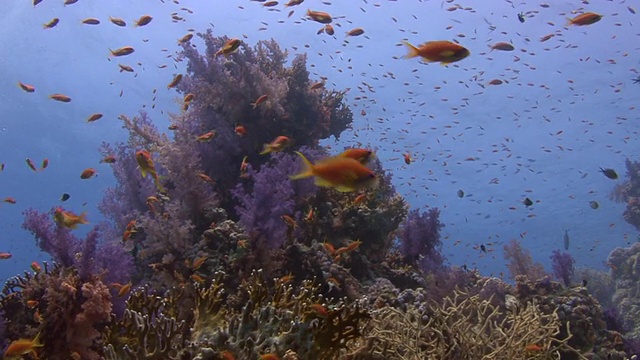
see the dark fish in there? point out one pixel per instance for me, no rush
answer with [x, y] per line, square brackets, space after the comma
[65, 197]
[610, 173]
[566, 239]
[521, 17]
[483, 248]
[460, 193]
[594, 204]
[527, 202]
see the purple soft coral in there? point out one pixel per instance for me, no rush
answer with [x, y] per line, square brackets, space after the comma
[563, 266]
[420, 239]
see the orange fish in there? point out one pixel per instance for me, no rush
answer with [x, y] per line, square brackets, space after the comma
[343, 174]
[442, 51]
[68, 219]
[124, 289]
[362, 155]
[45, 163]
[319, 16]
[94, 117]
[21, 347]
[125, 50]
[244, 166]
[503, 46]
[143, 158]
[144, 20]
[230, 47]
[91, 21]
[259, 101]
[280, 143]
[206, 137]
[293, 3]
[9, 200]
[355, 32]
[60, 97]
[88, 173]
[407, 158]
[108, 159]
[240, 130]
[117, 21]
[26, 87]
[36, 267]
[270, 356]
[5, 255]
[587, 18]
[51, 24]
[329, 29]
[176, 80]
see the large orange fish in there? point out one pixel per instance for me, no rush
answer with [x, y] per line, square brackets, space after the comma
[20, 347]
[362, 155]
[587, 18]
[143, 157]
[342, 173]
[278, 144]
[441, 51]
[68, 219]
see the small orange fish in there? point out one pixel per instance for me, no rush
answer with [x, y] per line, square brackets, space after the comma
[244, 167]
[31, 165]
[280, 143]
[291, 222]
[124, 290]
[197, 278]
[259, 101]
[68, 219]
[5, 255]
[587, 18]
[144, 20]
[117, 21]
[240, 130]
[23, 347]
[32, 303]
[60, 97]
[51, 24]
[176, 80]
[319, 309]
[91, 21]
[26, 87]
[36, 267]
[360, 199]
[355, 32]
[319, 16]
[407, 158]
[197, 263]
[442, 51]
[45, 164]
[227, 355]
[329, 29]
[310, 215]
[9, 200]
[293, 3]
[206, 137]
[533, 348]
[206, 178]
[143, 158]
[185, 38]
[343, 174]
[88, 173]
[123, 51]
[329, 247]
[94, 117]
[503, 46]
[230, 47]
[108, 159]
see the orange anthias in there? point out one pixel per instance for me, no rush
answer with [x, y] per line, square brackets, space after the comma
[343, 174]
[23, 347]
[68, 219]
[585, 19]
[143, 158]
[442, 51]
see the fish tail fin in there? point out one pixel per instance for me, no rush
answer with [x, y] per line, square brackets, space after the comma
[413, 51]
[307, 170]
[82, 218]
[266, 148]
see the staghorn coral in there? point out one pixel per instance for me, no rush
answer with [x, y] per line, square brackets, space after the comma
[464, 327]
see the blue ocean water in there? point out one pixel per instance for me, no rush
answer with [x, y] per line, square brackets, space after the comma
[566, 108]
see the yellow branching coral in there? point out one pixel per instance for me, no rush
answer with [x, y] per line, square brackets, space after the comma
[466, 327]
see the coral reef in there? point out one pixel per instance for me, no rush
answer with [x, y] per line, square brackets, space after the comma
[625, 272]
[238, 261]
[629, 193]
[563, 266]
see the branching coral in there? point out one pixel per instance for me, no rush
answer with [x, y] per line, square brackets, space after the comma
[465, 327]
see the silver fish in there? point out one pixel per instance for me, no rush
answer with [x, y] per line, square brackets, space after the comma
[566, 239]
